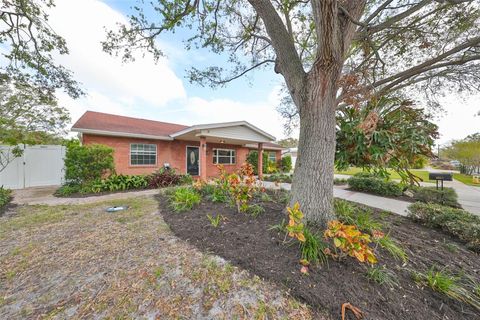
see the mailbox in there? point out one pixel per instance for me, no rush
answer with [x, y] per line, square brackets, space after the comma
[440, 176]
[445, 176]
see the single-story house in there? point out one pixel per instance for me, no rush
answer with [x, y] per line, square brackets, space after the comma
[143, 146]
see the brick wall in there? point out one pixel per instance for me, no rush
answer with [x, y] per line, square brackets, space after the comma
[172, 152]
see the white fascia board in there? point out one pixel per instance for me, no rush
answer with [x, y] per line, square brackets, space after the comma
[121, 134]
[223, 125]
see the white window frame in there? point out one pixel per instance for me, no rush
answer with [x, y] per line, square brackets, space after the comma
[148, 153]
[274, 156]
[232, 156]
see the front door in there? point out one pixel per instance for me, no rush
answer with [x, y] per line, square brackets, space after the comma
[192, 161]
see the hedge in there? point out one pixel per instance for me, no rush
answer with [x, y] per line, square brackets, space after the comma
[376, 185]
[457, 222]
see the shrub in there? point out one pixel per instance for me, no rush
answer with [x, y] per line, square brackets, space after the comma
[252, 159]
[449, 285]
[349, 241]
[376, 185]
[68, 189]
[457, 222]
[5, 196]
[387, 243]
[255, 210]
[279, 177]
[350, 214]
[340, 181]
[312, 249]
[241, 187]
[184, 198]
[447, 196]
[164, 178]
[118, 183]
[295, 227]
[382, 275]
[88, 162]
[285, 164]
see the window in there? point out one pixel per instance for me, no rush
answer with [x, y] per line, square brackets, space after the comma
[272, 156]
[143, 154]
[223, 156]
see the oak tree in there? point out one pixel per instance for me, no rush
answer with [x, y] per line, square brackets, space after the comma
[331, 54]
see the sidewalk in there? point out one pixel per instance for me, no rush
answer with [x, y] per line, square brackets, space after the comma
[44, 196]
[387, 204]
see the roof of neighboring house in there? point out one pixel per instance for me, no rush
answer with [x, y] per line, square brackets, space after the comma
[99, 121]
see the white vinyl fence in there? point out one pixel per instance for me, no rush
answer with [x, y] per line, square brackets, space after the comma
[38, 166]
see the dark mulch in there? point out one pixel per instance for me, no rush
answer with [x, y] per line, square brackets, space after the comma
[248, 243]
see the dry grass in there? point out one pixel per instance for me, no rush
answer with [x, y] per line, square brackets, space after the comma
[79, 261]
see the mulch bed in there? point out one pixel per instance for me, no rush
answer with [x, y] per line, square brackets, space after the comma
[248, 243]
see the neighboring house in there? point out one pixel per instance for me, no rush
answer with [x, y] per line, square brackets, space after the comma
[143, 146]
[291, 152]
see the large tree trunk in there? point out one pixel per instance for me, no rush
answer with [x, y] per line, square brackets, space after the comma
[312, 184]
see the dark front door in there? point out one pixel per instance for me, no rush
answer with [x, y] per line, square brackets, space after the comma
[192, 161]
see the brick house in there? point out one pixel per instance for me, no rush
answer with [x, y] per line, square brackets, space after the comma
[143, 146]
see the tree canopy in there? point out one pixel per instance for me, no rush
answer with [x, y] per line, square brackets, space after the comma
[388, 133]
[29, 46]
[467, 151]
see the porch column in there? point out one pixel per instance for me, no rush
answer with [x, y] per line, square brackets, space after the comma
[260, 161]
[203, 158]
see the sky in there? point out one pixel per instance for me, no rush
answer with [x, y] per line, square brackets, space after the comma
[161, 91]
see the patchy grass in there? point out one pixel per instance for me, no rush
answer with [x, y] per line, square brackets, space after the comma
[79, 261]
[466, 179]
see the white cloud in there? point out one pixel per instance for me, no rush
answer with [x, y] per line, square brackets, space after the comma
[82, 23]
[461, 119]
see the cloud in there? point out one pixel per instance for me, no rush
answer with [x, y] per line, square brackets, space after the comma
[142, 88]
[82, 23]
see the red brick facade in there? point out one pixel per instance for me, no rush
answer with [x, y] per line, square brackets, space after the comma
[172, 152]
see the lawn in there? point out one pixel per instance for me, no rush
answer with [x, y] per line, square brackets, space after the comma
[78, 261]
[466, 179]
[423, 174]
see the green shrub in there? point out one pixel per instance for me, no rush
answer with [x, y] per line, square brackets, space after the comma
[118, 183]
[382, 275]
[219, 195]
[5, 196]
[387, 243]
[313, 247]
[458, 222]
[279, 177]
[184, 198]
[450, 285]
[285, 164]
[255, 210]
[252, 158]
[68, 189]
[376, 185]
[446, 197]
[353, 215]
[340, 181]
[88, 162]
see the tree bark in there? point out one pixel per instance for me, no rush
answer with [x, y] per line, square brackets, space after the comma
[312, 185]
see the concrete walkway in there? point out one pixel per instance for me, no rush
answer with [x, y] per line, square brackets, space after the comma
[468, 196]
[44, 195]
[387, 204]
